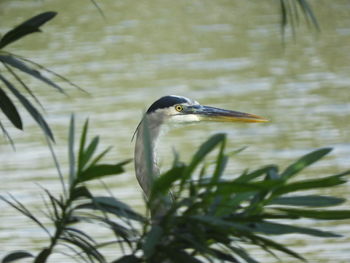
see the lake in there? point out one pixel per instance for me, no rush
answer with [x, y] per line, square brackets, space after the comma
[224, 53]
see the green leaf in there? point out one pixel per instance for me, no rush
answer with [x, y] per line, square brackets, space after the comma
[308, 200]
[18, 64]
[43, 255]
[309, 14]
[317, 214]
[7, 135]
[128, 259]
[163, 183]
[30, 108]
[111, 205]
[71, 156]
[177, 255]
[23, 84]
[243, 254]
[246, 177]
[201, 153]
[100, 156]
[304, 161]
[312, 184]
[89, 152]
[265, 242]
[151, 240]
[80, 192]
[271, 228]
[221, 162]
[217, 222]
[205, 149]
[86, 247]
[226, 187]
[9, 109]
[225, 257]
[101, 170]
[30, 26]
[16, 255]
[83, 236]
[22, 209]
[82, 144]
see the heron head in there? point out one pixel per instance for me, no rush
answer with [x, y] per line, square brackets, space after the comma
[177, 109]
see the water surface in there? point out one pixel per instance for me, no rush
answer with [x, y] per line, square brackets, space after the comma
[222, 53]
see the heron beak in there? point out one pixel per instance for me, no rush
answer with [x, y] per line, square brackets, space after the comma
[207, 113]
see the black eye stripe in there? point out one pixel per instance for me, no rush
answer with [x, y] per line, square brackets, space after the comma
[166, 102]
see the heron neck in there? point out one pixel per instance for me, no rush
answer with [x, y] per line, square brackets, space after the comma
[141, 153]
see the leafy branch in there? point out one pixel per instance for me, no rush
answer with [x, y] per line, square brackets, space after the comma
[211, 217]
[65, 210]
[12, 65]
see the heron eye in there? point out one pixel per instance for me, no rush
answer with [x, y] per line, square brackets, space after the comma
[178, 108]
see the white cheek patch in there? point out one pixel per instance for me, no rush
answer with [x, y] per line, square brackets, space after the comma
[179, 118]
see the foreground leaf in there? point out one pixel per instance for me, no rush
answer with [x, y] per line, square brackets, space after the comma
[312, 184]
[9, 109]
[111, 205]
[304, 162]
[272, 228]
[18, 64]
[30, 26]
[101, 170]
[318, 214]
[308, 200]
[16, 255]
[30, 108]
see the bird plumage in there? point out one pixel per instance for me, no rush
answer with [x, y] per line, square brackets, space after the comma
[172, 109]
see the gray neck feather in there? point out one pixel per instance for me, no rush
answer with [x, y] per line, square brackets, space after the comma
[140, 155]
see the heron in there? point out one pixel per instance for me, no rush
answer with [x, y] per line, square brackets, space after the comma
[167, 110]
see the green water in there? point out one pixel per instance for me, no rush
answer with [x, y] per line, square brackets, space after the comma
[222, 53]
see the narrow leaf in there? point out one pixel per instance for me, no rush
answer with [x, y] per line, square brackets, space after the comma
[271, 228]
[16, 63]
[30, 26]
[16, 255]
[82, 144]
[24, 85]
[89, 152]
[30, 108]
[43, 255]
[128, 259]
[111, 205]
[9, 109]
[318, 214]
[71, 156]
[163, 183]
[304, 161]
[201, 153]
[7, 135]
[265, 242]
[312, 184]
[308, 200]
[246, 177]
[101, 170]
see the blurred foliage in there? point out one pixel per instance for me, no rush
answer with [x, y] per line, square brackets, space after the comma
[211, 217]
[290, 14]
[14, 64]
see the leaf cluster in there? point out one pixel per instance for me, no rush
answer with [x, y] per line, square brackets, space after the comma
[210, 218]
[213, 217]
[10, 76]
[290, 15]
[77, 204]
